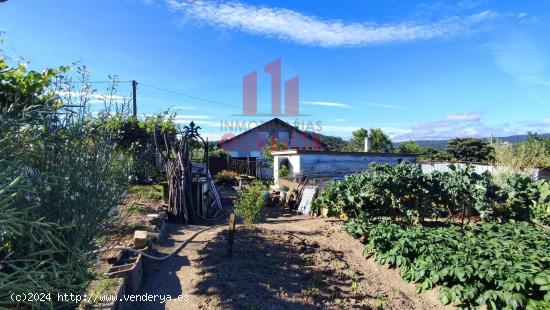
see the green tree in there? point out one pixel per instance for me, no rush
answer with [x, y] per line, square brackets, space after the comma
[380, 141]
[22, 90]
[471, 150]
[357, 142]
[434, 154]
[409, 147]
[333, 143]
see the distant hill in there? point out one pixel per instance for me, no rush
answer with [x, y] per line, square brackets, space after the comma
[441, 144]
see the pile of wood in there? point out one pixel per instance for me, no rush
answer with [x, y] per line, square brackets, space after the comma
[187, 201]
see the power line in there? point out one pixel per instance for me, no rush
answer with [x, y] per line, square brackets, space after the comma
[104, 82]
[190, 96]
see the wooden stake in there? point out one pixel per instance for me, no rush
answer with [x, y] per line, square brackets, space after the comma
[231, 235]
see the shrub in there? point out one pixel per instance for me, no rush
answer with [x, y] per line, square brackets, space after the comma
[226, 177]
[250, 204]
[135, 137]
[283, 171]
[533, 152]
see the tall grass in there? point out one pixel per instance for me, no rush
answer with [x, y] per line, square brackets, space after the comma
[61, 178]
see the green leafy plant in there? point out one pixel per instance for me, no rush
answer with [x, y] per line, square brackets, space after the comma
[283, 171]
[404, 193]
[226, 177]
[497, 265]
[250, 204]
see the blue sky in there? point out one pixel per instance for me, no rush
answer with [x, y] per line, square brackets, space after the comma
[416, 69]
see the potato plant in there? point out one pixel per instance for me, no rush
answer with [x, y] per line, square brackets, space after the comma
[497, 265]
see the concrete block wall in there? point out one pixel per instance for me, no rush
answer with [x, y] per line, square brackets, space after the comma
[333, 164]
[329, 165]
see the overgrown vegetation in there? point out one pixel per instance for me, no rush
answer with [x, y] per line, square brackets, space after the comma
[135, 137]
[226, 177]
[284, 171]
[250, 206]
[533, 152]
[61, 178]
[470, 150]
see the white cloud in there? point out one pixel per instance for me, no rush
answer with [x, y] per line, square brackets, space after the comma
[182, 107]
[382, 105]
[289, 25]
[72, 97]
[328, 104]
[460, 117]
[457, 125]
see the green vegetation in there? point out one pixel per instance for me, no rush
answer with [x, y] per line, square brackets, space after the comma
[534, 152]
[136, 138]
[284, 171]
[471, 150]
[332, 143]
[498, 265]
[61, 178]
[225, 177]
[250, 204]
[409, 147]
[147, 191]
[380, 142]
[404, 193]
[502, 261]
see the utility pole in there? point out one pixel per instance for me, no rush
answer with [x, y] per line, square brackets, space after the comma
[134, 97]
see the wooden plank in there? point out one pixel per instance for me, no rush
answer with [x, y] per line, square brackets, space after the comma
[308, 195]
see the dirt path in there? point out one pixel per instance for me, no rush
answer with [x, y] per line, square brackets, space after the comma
[289, 262]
